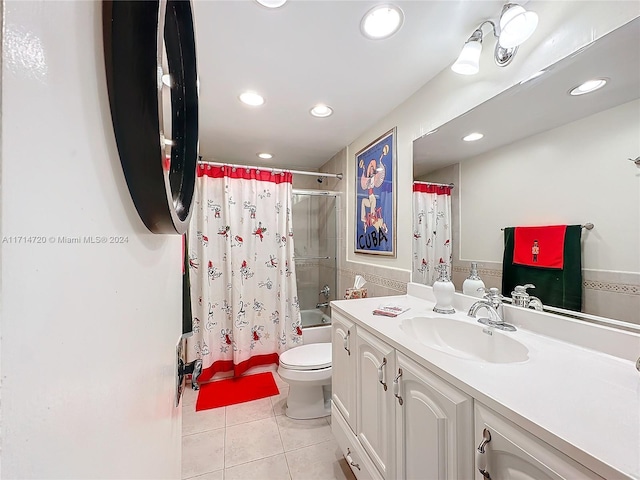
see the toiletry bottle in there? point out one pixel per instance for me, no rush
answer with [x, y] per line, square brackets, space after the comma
[473, 285]
[444, 291]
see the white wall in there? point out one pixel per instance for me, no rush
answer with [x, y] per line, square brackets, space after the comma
[574, 174]
[564, 27]
[88, 331]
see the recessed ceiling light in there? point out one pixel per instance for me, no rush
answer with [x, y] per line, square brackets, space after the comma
[265, 156]
[321, 110]
[381, 21]
[251, 98]
[271, 3]
[588, 86]
[472, 137]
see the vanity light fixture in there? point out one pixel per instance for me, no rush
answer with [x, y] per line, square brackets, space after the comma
[515, 26]
[272, 3]
[251, 98]
[265, 156]
[588, 86]
[381, 21]
[321, 111]
[472, 137]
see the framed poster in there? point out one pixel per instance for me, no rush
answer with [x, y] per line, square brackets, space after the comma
[375, 211]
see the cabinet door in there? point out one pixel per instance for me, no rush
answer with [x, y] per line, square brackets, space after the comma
[515, 453]
[434, 425]
[343, 380]
[374, 402]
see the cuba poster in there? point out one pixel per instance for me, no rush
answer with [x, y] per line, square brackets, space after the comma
[375, 196]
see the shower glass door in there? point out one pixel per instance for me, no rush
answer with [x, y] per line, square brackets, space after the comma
[314, 229]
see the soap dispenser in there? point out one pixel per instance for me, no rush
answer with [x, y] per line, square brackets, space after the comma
[473, 285]
[444, 291]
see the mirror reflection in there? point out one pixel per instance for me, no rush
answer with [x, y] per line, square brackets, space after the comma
[549, 158]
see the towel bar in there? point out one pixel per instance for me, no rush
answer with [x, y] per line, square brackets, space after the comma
[588, 226]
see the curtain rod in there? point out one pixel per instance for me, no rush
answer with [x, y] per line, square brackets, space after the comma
[299, 172]
[438, 184]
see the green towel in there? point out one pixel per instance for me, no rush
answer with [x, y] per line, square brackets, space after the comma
[554, 287]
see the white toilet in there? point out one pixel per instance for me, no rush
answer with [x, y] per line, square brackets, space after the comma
[307, 370]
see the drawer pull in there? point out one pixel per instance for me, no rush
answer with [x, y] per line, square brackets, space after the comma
[396, 387]
[345, 341]
[381, 374]
[350, 460]
[481, 455]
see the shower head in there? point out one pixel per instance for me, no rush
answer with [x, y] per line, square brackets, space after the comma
[320, 179]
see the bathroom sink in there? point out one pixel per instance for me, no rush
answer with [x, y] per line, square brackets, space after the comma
[465, 340]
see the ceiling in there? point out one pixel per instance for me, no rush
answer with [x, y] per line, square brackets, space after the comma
[309, 52]
[540, 104]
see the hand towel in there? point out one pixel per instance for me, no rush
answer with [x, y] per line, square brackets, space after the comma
[539, 246]
[557, 287]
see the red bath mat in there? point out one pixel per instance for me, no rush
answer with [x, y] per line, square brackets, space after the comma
[236, 390]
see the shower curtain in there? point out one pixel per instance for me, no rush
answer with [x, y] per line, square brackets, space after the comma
[243, 282]
[431, 230]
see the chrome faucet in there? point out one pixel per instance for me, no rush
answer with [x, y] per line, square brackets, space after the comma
[521, 298]
[492, 302]
[322, 305]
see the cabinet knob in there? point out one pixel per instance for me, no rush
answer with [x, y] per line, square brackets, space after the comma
[481, 456]
[381, 374]
[396, 387]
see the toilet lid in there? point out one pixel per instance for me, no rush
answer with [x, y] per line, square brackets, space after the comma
[312, 356]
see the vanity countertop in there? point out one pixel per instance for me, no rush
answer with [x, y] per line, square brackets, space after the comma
[583, 402]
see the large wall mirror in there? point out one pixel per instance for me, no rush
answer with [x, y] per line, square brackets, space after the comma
[551, 158]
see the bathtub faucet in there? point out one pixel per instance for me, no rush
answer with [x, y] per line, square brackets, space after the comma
[322, 305]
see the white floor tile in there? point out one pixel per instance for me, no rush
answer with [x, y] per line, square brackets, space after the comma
[270, 468]
[249, 411]
[219, 475]
[196, 422]
[323, 461]
[202, 453]
[251, 441]
[296, 434]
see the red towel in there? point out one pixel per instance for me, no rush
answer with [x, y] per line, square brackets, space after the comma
[539, 246]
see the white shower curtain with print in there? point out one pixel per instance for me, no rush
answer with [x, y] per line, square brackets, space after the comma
[245, 309]
[431, 230]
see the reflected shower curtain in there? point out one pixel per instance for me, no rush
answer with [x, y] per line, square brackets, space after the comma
[243, 282]
[431, 230]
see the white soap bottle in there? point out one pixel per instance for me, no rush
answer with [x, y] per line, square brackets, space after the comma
[443, 290]
[473, 285]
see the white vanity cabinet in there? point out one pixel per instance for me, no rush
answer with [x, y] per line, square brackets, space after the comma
[429, 421]
[343, 363]
[418, 427]
[375, 403]
[434, 425]
[515, 453]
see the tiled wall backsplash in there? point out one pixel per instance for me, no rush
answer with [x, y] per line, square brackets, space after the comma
[381, 281]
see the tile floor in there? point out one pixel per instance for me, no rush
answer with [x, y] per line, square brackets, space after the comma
[256, 441]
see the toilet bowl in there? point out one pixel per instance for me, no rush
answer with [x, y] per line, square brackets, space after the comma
[307, 370]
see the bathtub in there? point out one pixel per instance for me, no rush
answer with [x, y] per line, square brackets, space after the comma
[316, 326]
